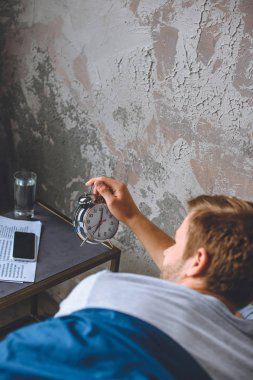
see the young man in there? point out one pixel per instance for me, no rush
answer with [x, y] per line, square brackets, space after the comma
[206, 278]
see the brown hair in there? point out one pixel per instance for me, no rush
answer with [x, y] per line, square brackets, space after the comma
[223, 226]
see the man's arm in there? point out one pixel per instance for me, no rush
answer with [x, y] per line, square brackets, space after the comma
[122, 206]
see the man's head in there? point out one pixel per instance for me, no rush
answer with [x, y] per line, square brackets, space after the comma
[214, 249]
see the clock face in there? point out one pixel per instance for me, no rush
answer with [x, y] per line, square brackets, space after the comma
[99, 223]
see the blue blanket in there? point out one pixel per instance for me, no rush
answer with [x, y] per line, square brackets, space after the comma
[95, 344]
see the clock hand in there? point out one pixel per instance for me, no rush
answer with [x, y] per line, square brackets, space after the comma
[97, 224]
[100, 221]
[101, 215]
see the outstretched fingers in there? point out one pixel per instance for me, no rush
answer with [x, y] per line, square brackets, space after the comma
[108, 183]
[116, 195]
[105, 191]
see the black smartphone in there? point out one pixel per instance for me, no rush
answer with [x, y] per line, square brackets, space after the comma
[24, 246]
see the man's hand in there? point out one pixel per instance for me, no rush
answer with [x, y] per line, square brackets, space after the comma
[117, 197]
[122, 206]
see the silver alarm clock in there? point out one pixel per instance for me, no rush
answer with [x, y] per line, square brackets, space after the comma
[93, 221]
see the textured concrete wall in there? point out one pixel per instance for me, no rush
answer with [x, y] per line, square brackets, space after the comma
[156, 93]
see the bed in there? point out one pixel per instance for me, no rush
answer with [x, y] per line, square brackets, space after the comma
[95, 344]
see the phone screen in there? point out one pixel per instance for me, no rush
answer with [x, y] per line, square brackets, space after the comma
[24, 246]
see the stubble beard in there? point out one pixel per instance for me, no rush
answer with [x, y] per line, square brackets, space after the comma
[172, 273]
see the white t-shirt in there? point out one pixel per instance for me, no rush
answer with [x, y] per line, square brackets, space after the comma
[220, 342]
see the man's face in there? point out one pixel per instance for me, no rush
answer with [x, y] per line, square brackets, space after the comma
[174, 265]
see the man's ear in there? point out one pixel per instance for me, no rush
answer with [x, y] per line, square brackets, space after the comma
[198, 263]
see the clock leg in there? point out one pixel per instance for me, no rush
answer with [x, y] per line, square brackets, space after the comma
[84, 241]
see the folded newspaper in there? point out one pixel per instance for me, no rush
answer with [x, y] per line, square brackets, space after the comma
[11, 270]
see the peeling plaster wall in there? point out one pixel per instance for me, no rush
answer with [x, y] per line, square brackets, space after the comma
[156, 93]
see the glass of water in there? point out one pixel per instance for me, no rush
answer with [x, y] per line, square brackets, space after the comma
[24, 193]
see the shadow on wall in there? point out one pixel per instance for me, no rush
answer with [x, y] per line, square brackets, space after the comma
[6, 163]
